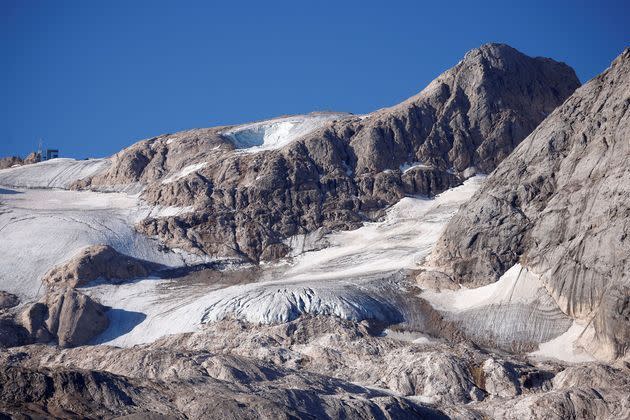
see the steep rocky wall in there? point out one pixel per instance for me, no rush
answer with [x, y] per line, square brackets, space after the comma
[560, 205]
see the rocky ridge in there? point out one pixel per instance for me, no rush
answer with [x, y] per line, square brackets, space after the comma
[346, 169]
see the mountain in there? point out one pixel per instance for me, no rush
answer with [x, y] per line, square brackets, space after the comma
[280, 269]
[558, 207]
[253, 186]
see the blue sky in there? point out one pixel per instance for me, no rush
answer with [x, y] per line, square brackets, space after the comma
[93, 77]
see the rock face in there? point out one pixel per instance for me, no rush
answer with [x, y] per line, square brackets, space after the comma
[65, 316]
[71, 393]
[174, 381]
[560, 206]
[98, 261]
[338, 170]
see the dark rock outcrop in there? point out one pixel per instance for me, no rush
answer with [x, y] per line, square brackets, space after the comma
[72, 393]
[560, 206]
[347, 170]
[8, 300]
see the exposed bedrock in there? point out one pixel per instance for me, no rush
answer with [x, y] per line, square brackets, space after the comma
[559, 205]
[11, 161]
[66, 317]
[177, 381]
[344, 169]
[97, 262]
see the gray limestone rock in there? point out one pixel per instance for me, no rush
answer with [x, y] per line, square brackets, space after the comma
[559, 205]
[65, 316]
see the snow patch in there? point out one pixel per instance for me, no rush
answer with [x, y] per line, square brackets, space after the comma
[54, 173]
[514, 311]
[517, 285]
[170, 211]
[42, 228]
[406, 167]
[276, 133]
[185, 172]
[409, 336]
[563, 347]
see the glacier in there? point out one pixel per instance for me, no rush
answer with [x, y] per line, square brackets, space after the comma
[278, 132]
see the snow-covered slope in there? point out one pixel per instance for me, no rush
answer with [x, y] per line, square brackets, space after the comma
[54, 173]
[515, 312]
[275, 133]
[41, 228]
[357, 276]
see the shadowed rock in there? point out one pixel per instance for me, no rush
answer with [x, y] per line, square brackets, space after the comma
[8, 300]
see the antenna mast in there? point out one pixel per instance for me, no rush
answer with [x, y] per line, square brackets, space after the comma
[39, 150]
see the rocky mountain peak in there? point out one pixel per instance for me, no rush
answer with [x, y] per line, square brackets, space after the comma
[557, 206]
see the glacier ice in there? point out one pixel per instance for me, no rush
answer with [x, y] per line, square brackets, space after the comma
[278, 132]
[356, 276]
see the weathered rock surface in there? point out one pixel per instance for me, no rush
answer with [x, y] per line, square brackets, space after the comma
[315, 367]
[94, 262]
[560, 206]
[344, 169]
[8, 300]
[72, 393]
[66, 317]
[175, 381]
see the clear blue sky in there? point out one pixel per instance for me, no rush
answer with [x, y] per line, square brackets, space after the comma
[92, 77]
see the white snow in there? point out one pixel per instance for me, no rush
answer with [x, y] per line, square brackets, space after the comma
[185, 172]
[41, 228]
[563, 347]
[154, 314]
[159, 211]
[515, 309]
[354, 277]
[517, 285]
[410, 336]
[278, 132]
[54, 173]
[406, 167]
